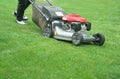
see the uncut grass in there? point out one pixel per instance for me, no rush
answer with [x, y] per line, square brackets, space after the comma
[26, 54]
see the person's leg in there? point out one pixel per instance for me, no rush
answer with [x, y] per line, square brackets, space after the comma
[27, 3]
[22, 5]
[20, 9]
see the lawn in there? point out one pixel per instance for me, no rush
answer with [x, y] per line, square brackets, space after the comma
[26, 54]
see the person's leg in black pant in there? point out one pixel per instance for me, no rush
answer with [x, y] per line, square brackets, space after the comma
[22, 5]
[27, 3]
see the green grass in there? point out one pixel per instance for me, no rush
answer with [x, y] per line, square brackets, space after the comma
[26, 54]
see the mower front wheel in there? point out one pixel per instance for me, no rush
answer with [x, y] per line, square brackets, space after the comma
[47, 32]
[88, 26]
[99, 39]
[77, 39]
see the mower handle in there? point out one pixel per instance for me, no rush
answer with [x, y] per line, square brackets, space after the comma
[49, 2]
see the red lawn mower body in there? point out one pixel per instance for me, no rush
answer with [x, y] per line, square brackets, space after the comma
[74, 18]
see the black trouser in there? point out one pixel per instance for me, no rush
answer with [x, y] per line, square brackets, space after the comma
[22, 5]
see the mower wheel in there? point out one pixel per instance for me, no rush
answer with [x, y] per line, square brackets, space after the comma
[99, 39]
[47, 32]
[77, 38]
[88, 25]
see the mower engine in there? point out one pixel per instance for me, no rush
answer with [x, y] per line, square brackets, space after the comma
[76, 22]
[69, 25]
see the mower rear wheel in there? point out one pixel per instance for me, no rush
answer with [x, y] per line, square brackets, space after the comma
[47, 32]
[77, 38]
[99, 39]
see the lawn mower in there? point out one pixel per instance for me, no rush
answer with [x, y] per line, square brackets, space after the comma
[56, 23]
